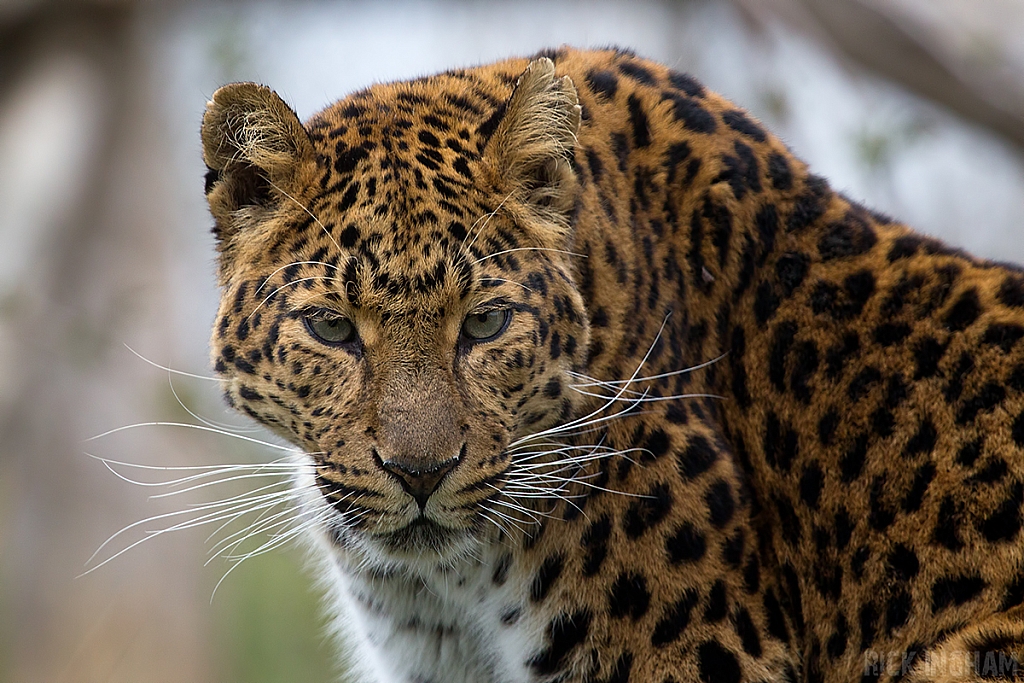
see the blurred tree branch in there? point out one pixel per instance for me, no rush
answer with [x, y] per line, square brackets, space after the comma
[91, 253]
[881, 37]
[25, 24]
[99, 34]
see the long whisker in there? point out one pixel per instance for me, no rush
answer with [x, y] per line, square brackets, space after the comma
[515, 522]
[267, 279]
[237, 477]
[267, 547]
[226, 546]
[202, 428]
[171, 370]
[278, 469]
[227, 523]
[545, 467]
[496, 522]
[208, 518]
[646, 399]
[486, 218]
[662, 375]
[290, 283]
[206, 513]
[509, 251]
[208, 423]
[591, 418]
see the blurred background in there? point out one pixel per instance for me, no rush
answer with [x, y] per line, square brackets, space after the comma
[914, 106]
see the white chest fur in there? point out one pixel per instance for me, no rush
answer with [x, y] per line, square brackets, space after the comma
[452, 626]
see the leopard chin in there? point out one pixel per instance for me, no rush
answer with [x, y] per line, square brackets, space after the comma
[421, 536]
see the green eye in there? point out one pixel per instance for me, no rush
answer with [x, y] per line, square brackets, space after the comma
[330, 329]
[486, 325]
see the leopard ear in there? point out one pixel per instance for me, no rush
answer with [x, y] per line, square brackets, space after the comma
[254, 146]
[531, 149]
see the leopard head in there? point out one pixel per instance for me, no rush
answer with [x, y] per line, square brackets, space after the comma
[398, 299]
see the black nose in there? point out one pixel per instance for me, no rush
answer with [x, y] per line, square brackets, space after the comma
[420, 480]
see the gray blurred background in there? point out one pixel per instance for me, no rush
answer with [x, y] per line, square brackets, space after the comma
[914, 106]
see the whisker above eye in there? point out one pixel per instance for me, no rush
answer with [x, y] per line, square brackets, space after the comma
[310, 213]
[486, 218]
[290, 283]
[289, 265]
[488, 278]
[509, 251]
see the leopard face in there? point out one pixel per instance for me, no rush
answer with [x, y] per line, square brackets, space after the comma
[408, 327]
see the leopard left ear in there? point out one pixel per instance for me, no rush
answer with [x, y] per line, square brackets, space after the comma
[254, 147]
[532, 146]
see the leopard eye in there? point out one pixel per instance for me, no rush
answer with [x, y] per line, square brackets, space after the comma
[330, 329]
[485, 325]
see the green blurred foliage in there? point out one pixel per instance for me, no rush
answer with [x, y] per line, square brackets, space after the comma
[876, 145]
[269, 625]
[775, 103]
[228, 46]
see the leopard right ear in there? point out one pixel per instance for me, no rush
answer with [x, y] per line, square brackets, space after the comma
[254, 147]
[532, 146]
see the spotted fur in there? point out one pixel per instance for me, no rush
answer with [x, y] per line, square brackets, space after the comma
[832, 493]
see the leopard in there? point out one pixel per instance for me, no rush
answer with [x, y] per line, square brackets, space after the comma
[591, 379]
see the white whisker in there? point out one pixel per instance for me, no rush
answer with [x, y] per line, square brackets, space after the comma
[590, 418]
[202, 428]
[208, 518]
[267, 279]
[646, 399]
[649, 378]
[509, 251]
[304, 208]
[172, 370]
[208, 423]
[284, 463]
[486, 218]
[226, 546]
[290, 283]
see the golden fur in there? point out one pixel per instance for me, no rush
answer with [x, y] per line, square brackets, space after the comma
[833, 495]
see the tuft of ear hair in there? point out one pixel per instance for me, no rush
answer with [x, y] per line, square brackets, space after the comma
[253, 145]
[532, 147]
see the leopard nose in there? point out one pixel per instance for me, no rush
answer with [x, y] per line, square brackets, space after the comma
[420, 480]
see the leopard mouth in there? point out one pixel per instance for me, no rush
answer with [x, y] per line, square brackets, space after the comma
[392, 527]
[422, 533]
